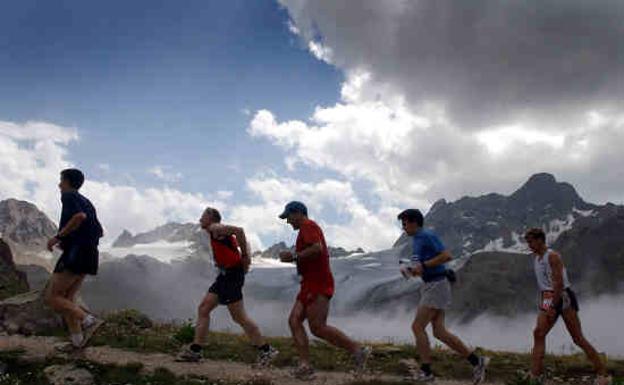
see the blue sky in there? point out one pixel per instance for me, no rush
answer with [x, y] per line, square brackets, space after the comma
[163, 83]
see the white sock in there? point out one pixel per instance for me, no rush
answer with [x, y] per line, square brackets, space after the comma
[76, 339]
[88, 321]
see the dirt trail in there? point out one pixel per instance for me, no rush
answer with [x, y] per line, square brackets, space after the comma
[38, 348]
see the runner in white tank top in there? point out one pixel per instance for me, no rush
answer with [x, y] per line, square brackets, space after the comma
[556, 299]
[543, 272]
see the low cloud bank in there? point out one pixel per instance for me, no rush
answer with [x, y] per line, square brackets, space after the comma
[601, 318]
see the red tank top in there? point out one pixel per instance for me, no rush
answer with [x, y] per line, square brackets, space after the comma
[225, 252]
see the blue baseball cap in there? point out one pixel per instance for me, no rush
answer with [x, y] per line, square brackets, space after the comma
[294, 207]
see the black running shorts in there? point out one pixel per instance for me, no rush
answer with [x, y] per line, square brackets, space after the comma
[229, 285]
[79, 260]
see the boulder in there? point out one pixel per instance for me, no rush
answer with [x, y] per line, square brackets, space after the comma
[28, 314]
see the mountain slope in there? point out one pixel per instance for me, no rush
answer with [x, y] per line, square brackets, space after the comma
[26, 229]
[483, 233]
[495, 222]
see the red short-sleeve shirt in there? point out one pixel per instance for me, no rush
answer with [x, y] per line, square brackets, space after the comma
[315, 271]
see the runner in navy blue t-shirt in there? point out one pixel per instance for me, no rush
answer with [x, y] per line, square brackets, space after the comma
[78, 236]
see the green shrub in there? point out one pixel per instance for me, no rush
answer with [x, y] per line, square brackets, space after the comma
[185, 333]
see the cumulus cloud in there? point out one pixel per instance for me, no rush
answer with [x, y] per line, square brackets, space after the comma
[485, 62]
[362, 227]
[443, 99]
[32, 156]
[416, 158]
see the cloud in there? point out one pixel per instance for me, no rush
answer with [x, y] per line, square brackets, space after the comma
[165, 173]
[360, 227]
[33, 154]
[104, 167]
[416, 158]
[484, 62]
[442, 99]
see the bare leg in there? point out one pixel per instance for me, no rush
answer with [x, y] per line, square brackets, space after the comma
[317, 313]
[573, 324]
[545, 323]
[239, 315]
[300, 337]
[452, 341]
[56, 297]
[75, 288]
[208, 304]
[71, 294]
[424, 316]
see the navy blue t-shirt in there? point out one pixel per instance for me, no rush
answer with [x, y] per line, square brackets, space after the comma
[90, 230]
[427, 245]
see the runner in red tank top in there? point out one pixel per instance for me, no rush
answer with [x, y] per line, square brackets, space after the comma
[317, 287]
[229, 250]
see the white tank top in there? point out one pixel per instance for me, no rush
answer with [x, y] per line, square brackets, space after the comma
[543, 272]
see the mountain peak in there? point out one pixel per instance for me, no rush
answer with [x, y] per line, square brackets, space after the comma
[543, 188]
[541, 179]
[23, 224]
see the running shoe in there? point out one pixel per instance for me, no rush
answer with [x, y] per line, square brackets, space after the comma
[90, 329]
[67, 348]
[265, 357]
[478, 372]
[188, 355]
[361, 358]
[304, 373]
[422, 377]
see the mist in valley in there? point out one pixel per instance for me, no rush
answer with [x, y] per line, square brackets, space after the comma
[601, 318]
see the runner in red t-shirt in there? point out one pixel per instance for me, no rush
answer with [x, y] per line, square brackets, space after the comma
[317, 287]
[231, 256]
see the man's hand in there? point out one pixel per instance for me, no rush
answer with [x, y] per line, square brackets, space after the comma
[417, 270]
[52, 242]
[286, 256]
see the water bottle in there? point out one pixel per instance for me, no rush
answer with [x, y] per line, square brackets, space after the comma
[405, 266]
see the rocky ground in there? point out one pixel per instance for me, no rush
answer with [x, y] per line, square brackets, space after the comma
[40, 349]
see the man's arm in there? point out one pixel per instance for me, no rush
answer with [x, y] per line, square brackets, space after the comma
[72, 225]
[314, 250]
[439, 259]
[218, 229]
[556, 266]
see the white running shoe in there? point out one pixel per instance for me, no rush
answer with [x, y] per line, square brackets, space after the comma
[90, 330]
[188, 355]
[361, 358]
[478, 372]
[422, 377]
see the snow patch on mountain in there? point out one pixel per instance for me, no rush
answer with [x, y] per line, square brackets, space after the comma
[584, 213]
[163, 251]
[269, 263]
[557, 226]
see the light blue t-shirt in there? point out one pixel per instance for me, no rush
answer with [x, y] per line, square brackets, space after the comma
[427, 245]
